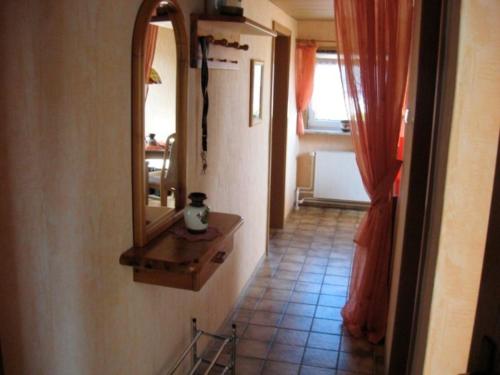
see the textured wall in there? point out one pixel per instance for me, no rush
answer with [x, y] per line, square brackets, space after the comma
[469, 181]
[68, 307]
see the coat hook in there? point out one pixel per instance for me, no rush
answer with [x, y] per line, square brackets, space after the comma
[220, 42]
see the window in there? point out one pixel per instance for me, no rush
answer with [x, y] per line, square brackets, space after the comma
[327, 108]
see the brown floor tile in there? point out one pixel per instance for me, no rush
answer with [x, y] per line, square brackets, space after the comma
[266, 272]
[291, 337]
[248, 303]
[334, 290]
[302, 323]
[298, 250]
[227, 329]
[307, 287]
[311, 277]
[260, 333]
[338, 271]
[316, 261]
[320, 358]
[278, 242]
[282, 284]
[332, 301]
[313, 268]
[306, 274]
[356, 363]
[277, 250]
[265, 318]
[303, 297]
[325, 312]
[336, 280]
[319, 253]
[249, 366]
[271, 305]
[321, 246]
[286, 353]
[327, 326]
[280, 368]
[287, 275]
[262, 281]
[252, 348]
[300, 244]
[309, 370]
[242, 316]
[277, 294]
[289, 266]
[323, 341]
[291, 258]
[301, 309]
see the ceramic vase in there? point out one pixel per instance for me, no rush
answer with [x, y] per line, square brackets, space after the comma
[196, 214]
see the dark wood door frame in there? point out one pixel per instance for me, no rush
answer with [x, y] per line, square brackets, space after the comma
[278, 129]
[431, 134]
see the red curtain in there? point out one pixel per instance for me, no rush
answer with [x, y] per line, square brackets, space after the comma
[305, 59]
[374, 40]
[149, 50]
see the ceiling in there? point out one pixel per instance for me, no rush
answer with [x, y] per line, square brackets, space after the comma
[309, 9]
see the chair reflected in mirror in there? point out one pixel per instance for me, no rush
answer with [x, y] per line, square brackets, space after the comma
[161, 182]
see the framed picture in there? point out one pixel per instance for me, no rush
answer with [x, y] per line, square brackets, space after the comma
[256, 83]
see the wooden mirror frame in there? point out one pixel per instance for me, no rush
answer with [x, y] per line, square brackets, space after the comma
[142, 233]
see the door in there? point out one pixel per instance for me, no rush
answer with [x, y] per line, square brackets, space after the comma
[279, 126]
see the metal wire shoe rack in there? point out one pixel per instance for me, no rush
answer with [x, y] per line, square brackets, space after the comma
[197, 361]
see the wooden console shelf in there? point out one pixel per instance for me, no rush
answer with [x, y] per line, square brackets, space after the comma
[178, 263]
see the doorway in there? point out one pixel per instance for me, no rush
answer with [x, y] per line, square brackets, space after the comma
[279, 125]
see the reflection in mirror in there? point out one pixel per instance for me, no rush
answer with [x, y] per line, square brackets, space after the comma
[160, 64]
[256, 83]
[159, 96]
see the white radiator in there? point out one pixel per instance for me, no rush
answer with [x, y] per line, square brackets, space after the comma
[337, 177]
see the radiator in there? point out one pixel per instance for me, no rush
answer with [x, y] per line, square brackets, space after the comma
[337, 177]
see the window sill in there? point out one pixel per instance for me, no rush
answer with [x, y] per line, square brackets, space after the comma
[326, 132]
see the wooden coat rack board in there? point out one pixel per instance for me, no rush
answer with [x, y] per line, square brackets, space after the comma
[223, 34]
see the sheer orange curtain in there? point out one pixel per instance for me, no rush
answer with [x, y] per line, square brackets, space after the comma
[149, 51]
[305, 59]
[374, 40]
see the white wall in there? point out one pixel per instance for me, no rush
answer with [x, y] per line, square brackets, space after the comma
[470, 171]
[67, 305]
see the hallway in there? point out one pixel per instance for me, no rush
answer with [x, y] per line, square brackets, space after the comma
[288, 319]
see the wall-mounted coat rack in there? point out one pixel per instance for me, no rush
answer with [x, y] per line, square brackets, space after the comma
[223, 35]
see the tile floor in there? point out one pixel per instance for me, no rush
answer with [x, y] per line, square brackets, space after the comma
[288, 319]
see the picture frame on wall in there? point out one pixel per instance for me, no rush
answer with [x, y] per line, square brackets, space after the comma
[256, 91]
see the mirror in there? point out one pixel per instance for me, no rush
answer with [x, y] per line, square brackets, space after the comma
[158, 118]
[256, 82]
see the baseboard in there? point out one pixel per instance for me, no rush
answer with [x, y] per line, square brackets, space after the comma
[334, 203]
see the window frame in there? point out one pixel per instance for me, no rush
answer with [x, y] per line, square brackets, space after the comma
[313, 124]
